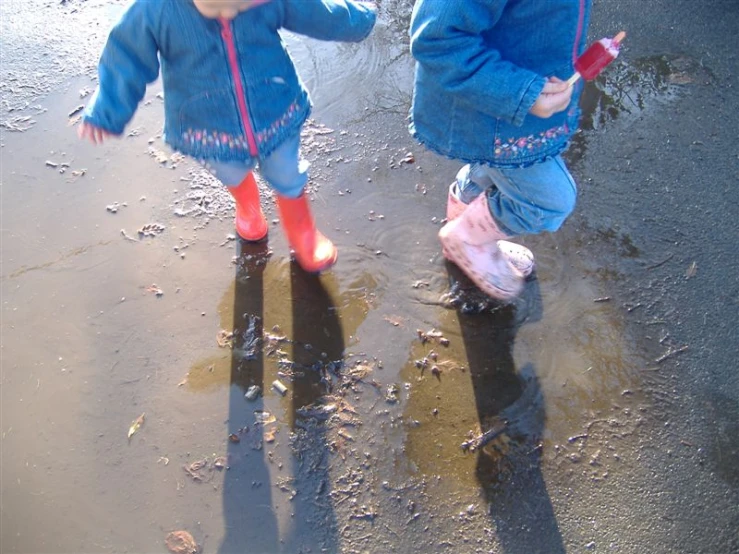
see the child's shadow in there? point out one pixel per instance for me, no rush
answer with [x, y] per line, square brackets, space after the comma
[511, 412]
[257, 481]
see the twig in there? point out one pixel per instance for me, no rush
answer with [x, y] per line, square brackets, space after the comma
[670, 353]
[128, 237]
[663, 262]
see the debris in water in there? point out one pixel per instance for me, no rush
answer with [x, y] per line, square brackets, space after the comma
[155, 289]
[481, 440]
[76, 110]
[394, 320]
[602, 299]
[279, 387]
[264, 417]
[151, 230]
[269, 434]
[252, 392]
[233, 437]
[670, 353]
[136, 425]
[181, 542]
[392, 394]
[112, 208]
[221, 462]
[193, 470]
[225, 339]
[128, 237]
[433, 334]
[692, 270]
[18, 124]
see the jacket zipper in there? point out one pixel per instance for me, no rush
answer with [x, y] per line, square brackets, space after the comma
[233, 63]
[578, 35]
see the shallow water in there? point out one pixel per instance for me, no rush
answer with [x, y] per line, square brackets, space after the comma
[88, 346]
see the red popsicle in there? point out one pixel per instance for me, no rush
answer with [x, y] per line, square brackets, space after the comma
[596, 58]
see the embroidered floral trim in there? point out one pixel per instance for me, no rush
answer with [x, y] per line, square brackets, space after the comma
[206, 138]
[272, 130]
[518, 146]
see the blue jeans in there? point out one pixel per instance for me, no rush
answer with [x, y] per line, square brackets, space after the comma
[285, 172]
[523, 200]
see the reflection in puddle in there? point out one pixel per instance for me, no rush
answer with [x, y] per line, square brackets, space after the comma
[630, 87]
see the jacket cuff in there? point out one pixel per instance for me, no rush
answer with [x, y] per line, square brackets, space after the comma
[532, 92]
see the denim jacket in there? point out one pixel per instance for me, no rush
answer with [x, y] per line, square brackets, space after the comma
[481, 65]
[231, 91]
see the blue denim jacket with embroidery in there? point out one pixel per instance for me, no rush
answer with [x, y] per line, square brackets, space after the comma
[231, 91]
[481, 64]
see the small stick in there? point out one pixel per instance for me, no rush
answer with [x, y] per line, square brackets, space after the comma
[572, 80]
[670, 353]
[663, 262]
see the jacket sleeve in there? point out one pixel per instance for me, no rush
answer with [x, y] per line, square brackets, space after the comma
[128, 63]
[336, 20]
[447, 41]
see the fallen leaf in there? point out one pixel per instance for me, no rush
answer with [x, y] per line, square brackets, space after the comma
[225, 338]
[155, 289]
[264, 417]
[692, 270]
[408, 159]
[136, 425]
[220, 462]
[181, 542]
[269, 434]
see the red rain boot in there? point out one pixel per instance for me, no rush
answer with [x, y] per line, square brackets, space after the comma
[250, 222]
[471, 242]
[520, 256]
[312, 250]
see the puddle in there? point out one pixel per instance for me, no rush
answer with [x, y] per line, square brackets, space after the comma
[628, 88]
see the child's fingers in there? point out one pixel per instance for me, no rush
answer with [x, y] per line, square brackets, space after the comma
[554, 86]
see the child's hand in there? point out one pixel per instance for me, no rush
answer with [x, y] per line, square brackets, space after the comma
[554, 98]
[95, 135]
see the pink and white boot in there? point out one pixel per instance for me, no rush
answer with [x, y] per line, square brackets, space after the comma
[471, 242]
[521, 257]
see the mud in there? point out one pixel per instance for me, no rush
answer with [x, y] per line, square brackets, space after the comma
[416, 415]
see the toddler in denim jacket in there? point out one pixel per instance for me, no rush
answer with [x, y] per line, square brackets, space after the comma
[490, 90]
[232, 96]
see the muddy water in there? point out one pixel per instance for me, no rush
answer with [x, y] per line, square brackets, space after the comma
[364, 452]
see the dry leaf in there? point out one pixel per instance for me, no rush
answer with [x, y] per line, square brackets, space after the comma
[225, 338]
[181, 542]
[136, 425]
[269, 434]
